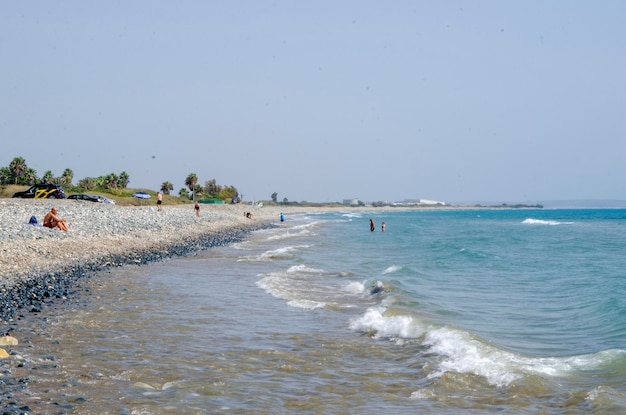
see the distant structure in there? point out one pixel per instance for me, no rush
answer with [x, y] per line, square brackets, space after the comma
[351, 202]
[405, 202]
[419, 202]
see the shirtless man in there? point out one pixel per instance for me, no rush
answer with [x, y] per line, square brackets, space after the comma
[51, 220]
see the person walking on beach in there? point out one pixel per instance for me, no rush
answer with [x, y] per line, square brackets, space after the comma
[372, 225]
[196, 206]
[159, 200]
[51, 220]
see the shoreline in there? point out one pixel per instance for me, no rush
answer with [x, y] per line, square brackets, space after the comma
[39, 265]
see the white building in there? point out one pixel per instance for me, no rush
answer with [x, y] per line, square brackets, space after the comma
[420, 202]
[351, 202]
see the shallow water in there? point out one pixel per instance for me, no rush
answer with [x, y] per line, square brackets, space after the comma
[446, 312]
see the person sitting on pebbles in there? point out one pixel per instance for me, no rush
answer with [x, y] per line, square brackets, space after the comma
[51, 220]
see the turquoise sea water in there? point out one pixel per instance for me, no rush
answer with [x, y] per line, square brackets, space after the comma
[448, 311]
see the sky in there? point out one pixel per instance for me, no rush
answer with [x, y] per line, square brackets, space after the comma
[321, 101]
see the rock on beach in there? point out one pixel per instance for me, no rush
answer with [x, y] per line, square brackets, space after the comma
[38, 264]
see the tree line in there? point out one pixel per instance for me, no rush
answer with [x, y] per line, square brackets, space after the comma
[19, 173]
[195, 191]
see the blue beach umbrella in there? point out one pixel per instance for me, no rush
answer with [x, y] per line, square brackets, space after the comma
[141, 195]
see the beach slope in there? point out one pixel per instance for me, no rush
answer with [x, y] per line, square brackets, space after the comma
[38, 264]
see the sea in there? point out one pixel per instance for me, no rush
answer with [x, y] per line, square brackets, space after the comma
[448, 311]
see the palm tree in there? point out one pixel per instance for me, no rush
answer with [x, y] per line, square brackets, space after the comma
[18, 167]
[197, 190]
[166, 188]
[111, 181]
[67, 177]
[191, 181]
[30, 175]
[122, 181]
[47, 177]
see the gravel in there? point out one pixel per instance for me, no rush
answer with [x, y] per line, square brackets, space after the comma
[39, 264]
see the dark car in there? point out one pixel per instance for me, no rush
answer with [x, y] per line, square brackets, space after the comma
[84, 196]
[42, 191]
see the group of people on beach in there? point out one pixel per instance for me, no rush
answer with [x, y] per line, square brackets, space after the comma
[373, 226]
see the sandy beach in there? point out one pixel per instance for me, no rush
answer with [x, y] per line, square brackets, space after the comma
[37, 263]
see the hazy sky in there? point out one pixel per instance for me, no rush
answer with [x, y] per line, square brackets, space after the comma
[458, 101]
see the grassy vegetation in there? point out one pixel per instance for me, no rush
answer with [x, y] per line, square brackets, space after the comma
[122, 197]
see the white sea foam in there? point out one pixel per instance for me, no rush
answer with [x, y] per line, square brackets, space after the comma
[301, 268]
[284, 252]
[373, 321]
[392, 269]
[306, 304]
[355, 287]
[288, 235]
[461, 352]
[531, 221]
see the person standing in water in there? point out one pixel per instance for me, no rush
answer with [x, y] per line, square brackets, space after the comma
[372, 225]
[282, 217]
[382, 227]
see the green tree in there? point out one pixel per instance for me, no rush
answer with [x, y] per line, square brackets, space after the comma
[47, 177]
[166, 188]
[274, 197]
[212, 188]
[6, 176]
[183, 193]
[197, 191]
[18, 168]
[122, 180]
[100, 182]
[285, 201]
[228, 192]
[190, 182]
[111, 181]
[30, 176]
[88, 183]
[67, 177]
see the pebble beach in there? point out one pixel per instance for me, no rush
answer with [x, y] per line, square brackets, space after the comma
[38, 264]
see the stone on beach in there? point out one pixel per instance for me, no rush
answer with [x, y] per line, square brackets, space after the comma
[8, 341]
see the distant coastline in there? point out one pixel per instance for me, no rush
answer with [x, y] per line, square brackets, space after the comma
[584, 204]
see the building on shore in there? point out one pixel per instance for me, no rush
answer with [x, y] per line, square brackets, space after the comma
[351, 202]
[419, 202]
